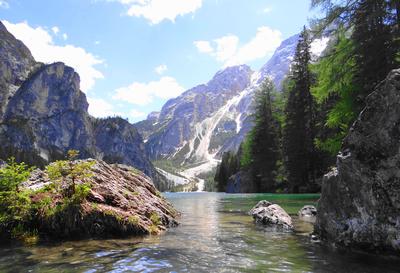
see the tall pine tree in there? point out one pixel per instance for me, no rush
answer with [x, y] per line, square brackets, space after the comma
[265, 141]
[298, 139]
[373, 50]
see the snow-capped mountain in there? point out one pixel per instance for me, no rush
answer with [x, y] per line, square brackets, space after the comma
[193, 130]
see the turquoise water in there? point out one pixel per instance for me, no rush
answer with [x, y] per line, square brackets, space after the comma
[215, 235]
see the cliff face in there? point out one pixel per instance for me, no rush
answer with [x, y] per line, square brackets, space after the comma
[16, 62]
[43, 114]
[177, 130]
[47, 116]
[360, 200]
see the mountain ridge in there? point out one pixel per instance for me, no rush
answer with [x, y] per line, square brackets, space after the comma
[195, 145]
[43, 114]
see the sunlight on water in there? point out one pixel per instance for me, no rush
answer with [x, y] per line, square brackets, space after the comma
[216, 235]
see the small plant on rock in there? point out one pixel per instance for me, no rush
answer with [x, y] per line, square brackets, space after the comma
[68, 172]
[13, 174]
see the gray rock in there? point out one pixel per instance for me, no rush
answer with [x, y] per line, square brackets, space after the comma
[360, 200]
[260, 204]
[43, 114]
[271, 215]
[16, 63]
[308, 213]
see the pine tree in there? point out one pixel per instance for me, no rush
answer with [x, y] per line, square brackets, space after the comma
[229, 166]
[265, 141]
[298, 140]
[373, 49]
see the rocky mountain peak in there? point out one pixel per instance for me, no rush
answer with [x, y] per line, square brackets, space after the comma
[231, 78]
[43, 114]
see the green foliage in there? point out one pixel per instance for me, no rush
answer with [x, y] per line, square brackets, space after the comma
[335, 79]
[155, 218]
[67, 172]
[81, 192]
[153, 229]
[228, 167]
[14, 206]
[133, 220]
[264, 145]
[299, 130]
[13, 174]
[245, 157]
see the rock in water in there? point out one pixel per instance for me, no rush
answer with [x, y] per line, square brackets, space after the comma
[360, 200]
[262, 203]
[271, 215]
[308, 213]
[122, 201]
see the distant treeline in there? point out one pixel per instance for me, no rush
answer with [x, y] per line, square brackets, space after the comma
[298, 132]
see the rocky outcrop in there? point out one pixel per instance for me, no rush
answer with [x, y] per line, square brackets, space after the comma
[16, 63]
[46, 117]
[43, 114]
[173, 131]
[360, 200]
[307, 213]
[122, 201]
[271, 215]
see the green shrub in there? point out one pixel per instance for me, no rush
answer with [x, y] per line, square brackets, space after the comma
[155, 219]
[133, 220]
[67, 172]
[81, 192]
[13, 174]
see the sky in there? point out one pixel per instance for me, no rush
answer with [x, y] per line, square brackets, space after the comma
[134, 55]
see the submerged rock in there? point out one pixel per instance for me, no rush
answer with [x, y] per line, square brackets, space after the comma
[271, 215]
[122, 201]
[360, 200]
[308, 213]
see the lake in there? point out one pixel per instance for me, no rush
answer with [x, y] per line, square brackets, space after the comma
[215, 235]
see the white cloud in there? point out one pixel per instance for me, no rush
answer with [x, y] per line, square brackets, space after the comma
[4, 4]
[144, 93]
[319, 45]
[157, 11]
[65, 36]
[55, 29]
[100, 108]
[161, 69]
[43, 49]
[203, 46]
[226, 47]
[136, 114]
[267, 10]
[227, 50]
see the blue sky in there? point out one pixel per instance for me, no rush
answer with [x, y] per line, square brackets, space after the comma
[133, 55]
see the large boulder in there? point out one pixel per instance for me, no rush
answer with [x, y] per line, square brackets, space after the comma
[360, 200]
[122, 201]
[307, 213]
[271, 215]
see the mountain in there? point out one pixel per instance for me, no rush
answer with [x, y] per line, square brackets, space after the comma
[43, 114]
[191, 132]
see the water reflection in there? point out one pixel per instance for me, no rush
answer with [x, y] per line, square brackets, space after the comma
[216, 235]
